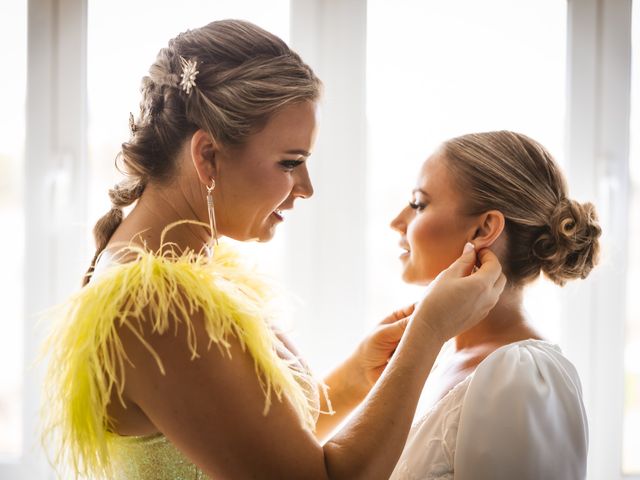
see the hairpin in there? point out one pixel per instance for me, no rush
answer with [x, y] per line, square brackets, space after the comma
[188, 74]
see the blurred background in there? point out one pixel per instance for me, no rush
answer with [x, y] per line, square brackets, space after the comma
[400, 77]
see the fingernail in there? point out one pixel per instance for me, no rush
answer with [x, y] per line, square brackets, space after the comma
[468, 247]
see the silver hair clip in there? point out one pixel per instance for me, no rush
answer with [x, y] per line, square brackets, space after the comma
[188, 74]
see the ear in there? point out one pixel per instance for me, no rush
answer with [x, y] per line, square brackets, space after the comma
[204, 150]
[489, 227]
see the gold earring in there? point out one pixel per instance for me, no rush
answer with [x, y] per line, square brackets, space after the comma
[212, 213]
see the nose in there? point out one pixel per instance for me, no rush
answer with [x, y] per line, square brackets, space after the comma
[303, 187]
[399, 224]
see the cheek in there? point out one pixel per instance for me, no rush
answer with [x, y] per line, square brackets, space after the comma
[261, 188]
[428, 232]
[435, 242]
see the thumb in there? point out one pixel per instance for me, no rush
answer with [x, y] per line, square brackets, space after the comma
[395, 331]
[464, 264]
[399, 314]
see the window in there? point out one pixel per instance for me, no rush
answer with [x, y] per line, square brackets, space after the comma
[631, 445]
[13, 31]
[442, 69]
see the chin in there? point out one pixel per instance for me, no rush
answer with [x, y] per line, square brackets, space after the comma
[414, 278]
[266, 235]
[409, 277]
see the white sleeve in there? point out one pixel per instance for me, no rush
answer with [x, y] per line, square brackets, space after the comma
[523, 418]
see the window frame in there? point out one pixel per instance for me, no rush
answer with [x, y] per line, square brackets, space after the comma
[55, 159]
[598, 108]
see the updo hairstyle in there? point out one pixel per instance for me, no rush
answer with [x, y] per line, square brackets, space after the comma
[546, 231]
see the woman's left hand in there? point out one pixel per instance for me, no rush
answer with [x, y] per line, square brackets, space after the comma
[374, 352]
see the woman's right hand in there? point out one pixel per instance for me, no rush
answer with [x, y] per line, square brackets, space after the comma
[461, 296]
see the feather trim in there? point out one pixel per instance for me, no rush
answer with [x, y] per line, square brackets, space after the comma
[165, 289]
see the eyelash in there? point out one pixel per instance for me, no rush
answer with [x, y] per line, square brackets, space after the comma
[290, 164]
[417, 206]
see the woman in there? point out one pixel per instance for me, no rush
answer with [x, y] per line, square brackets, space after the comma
[503, 403]
[164, 365]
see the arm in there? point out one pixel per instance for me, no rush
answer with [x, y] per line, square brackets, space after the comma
[346, 387]
[350, 382]
[211, 407]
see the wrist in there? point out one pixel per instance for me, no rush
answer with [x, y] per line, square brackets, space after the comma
[428, 322]
[422, 337]
[357, 381]
[432, 333]
[348, 384]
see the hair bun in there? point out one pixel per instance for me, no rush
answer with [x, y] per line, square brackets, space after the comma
[568, 246]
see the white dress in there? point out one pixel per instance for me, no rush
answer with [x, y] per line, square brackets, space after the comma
[518, 416]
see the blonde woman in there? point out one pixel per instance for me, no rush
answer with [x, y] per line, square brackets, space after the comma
[502, 402]
[164, 365]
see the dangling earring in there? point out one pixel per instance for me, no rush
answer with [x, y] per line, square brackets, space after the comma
[212, 214]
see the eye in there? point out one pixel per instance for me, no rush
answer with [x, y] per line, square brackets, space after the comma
[289, 165]
[417, 206]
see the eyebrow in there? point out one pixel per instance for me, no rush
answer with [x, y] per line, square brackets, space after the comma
[304, 153]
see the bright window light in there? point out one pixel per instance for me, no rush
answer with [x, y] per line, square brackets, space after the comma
[441, 69]
[631, 445]
[13, 31]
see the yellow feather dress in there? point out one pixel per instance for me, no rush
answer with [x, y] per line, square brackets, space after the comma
[84, 354]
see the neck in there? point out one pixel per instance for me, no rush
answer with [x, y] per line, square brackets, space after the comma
[504, 324]
[159, 207]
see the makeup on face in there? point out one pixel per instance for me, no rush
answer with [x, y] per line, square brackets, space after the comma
[433, 231]
[261, 180]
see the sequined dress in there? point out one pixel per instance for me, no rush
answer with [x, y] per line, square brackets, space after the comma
[150, 457]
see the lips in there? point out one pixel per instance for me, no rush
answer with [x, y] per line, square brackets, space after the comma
[279, 213]
[406, 249]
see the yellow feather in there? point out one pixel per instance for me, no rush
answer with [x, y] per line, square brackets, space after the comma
[165, 289]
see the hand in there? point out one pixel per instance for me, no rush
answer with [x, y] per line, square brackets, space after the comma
[460, 297]
[375, 350]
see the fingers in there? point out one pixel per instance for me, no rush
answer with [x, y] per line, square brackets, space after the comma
[486, 255]
[500, 283]
[399, 314]
[395, 331]
[406, 311]
[490, 269]
[491, 279]
[464, 263]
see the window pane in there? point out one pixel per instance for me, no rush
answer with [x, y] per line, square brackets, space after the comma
[117, 63]
[631, 446]
[440, 69]
[13, 31]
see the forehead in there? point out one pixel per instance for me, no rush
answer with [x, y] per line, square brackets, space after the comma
[435, 178]
[293, 126]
